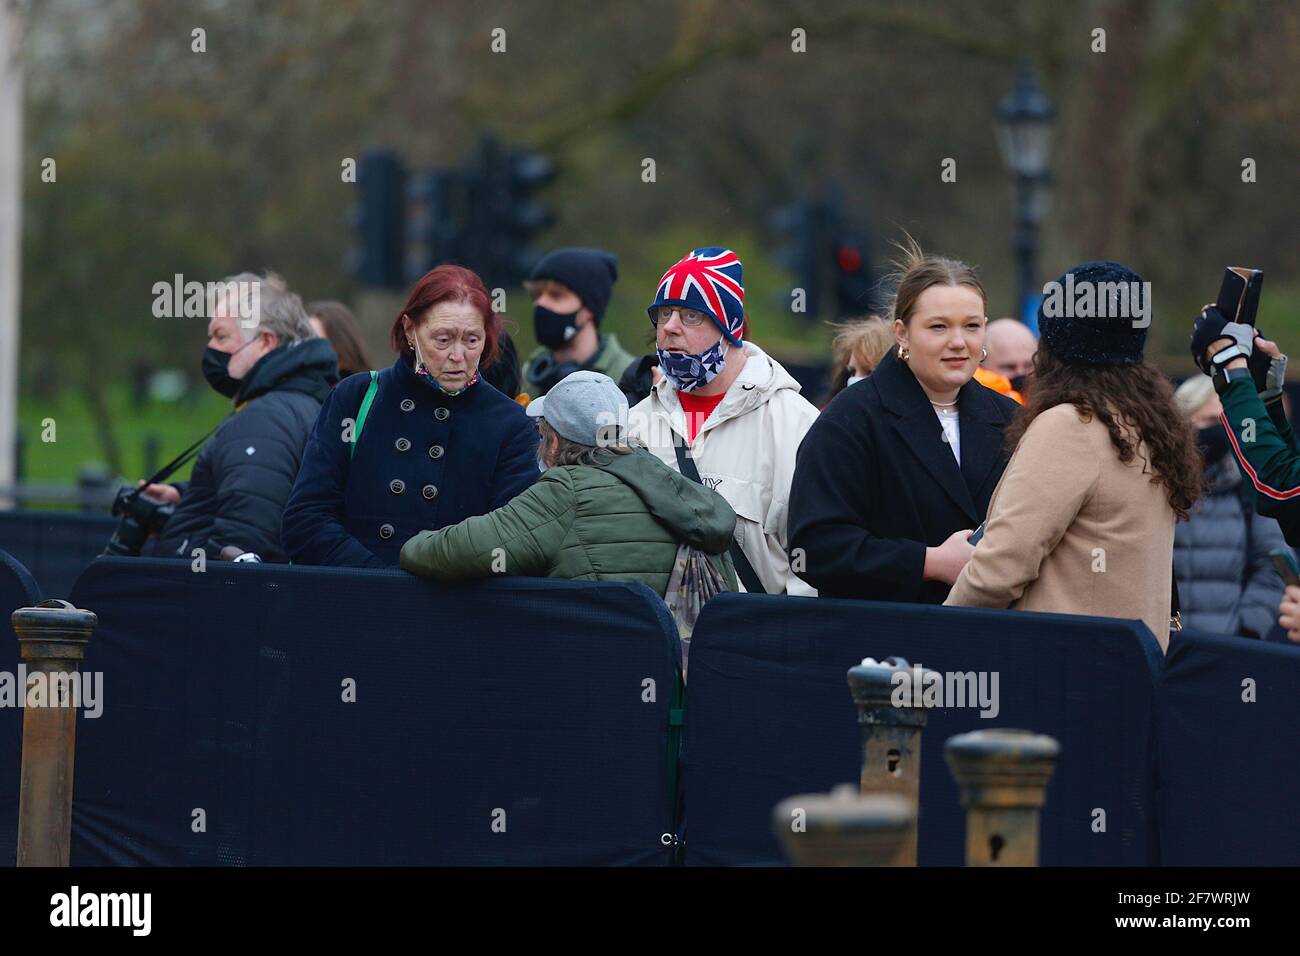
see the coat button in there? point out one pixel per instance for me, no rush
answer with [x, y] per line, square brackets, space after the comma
[397, 486]
[429, 491]
[385, 531]
[441, 414]
[407, 404]
[402, 444]
[436, 451]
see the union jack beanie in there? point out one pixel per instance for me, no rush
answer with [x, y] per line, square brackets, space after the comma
[707, 280]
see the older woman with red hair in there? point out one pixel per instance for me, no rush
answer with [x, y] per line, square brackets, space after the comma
[420, 445]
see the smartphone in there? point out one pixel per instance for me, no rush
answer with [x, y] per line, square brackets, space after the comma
[1285, 562]
[1239, 294]
[975, 535]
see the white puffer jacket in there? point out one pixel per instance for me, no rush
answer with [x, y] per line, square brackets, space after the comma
[745, 451]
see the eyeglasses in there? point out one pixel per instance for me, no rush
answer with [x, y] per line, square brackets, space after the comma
[690, 318]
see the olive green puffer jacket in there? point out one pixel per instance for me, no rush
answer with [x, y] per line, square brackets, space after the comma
[617, 522]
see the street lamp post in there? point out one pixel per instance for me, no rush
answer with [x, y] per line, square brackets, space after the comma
[1024, 125]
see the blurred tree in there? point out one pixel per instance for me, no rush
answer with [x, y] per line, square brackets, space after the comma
[173, 161]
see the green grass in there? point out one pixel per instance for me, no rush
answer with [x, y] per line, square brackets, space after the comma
[77, 442]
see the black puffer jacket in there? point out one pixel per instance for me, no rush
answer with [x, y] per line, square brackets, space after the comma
[245, 471]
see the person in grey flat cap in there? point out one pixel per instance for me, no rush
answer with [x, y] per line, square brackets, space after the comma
[604, 509]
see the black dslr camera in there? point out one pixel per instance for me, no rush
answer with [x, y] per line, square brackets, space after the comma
[138, 518]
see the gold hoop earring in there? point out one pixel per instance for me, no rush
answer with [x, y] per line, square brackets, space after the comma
[903, 352]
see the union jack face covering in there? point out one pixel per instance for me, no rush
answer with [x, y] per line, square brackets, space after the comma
[689, 372]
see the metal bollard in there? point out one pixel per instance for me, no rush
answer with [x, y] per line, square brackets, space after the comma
[842, 828]
[52, 640]
[891, 736]
[1003, 777]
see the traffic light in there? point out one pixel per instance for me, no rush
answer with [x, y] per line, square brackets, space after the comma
[483, 216]
[853, 287]
[378, 221]
[525, 216]
[503, 215]
[798, 228]
[434, 199]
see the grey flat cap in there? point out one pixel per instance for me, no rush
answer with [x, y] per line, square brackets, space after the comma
[581, 406]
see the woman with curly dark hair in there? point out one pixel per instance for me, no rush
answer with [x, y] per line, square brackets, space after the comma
[1103, 464]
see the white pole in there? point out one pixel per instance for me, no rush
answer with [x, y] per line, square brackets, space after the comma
[11, 185]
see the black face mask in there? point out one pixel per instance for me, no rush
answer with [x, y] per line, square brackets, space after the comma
[216, 365]
[216, 369]
[1213, 442]
[554, 329]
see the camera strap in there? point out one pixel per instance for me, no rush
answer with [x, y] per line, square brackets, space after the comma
[168, 469]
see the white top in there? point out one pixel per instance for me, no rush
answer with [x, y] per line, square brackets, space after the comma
[949, 419]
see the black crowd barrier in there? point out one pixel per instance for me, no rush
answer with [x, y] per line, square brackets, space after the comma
[17, 589]
[524, 721]
[1229, 752]
[507, 722]
[55, 546]
[769, 715]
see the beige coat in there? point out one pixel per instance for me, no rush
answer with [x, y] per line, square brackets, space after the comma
[1072, 530]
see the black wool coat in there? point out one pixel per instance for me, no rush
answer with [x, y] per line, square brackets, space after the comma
[875, 484]
[424, 460]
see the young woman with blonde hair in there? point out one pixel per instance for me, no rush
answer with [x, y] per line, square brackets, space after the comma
[898, 470]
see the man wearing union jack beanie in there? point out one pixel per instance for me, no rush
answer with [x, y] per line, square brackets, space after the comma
[724, 412]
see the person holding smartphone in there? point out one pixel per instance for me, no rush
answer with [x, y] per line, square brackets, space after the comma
[1248, 372]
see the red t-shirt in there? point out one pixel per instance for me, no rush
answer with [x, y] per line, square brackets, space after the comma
[698, 408]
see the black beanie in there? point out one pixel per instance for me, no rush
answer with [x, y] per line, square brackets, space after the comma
[590, 273]
[1071, 320]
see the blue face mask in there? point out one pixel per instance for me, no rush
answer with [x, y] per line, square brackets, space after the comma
[689, 372]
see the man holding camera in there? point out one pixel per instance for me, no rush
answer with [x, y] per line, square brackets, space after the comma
[277, 373]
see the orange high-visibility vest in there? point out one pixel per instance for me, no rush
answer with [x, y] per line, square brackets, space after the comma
[998, 382]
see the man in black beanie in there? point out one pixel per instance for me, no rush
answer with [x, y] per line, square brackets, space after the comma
[571, 288]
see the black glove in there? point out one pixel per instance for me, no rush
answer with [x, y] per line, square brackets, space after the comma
[1206, 330]
[1259, 364]
[1209, 328]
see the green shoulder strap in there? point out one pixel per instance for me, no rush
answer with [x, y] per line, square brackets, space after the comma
[363, 411]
